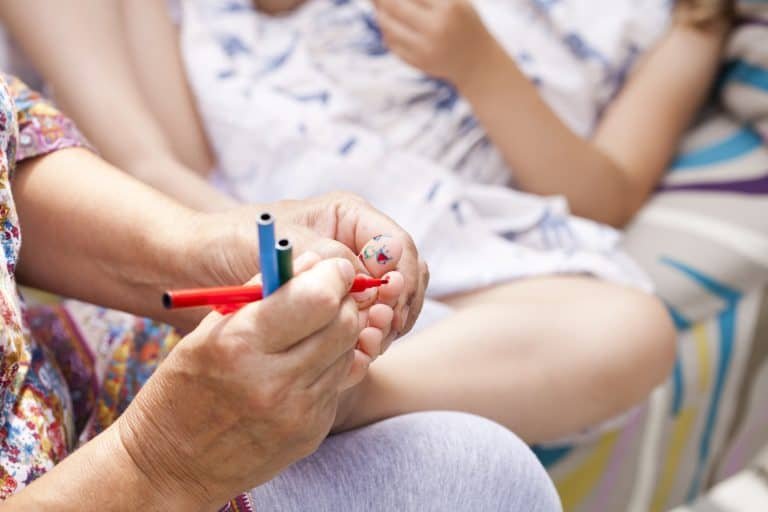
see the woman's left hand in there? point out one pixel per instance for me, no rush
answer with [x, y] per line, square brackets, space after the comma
[443, 38]
[224, 249]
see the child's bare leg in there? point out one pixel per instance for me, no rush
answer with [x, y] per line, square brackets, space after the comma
[545, 357]
[156, 60]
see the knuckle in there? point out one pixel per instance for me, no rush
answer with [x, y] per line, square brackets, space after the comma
[348, 361]
[302, 421]
[349, 318]
[271, 393]
[325, 302]
[227, 349]
[336, 249]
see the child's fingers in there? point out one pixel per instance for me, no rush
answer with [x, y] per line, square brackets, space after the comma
[399, 37]
[381, 254]
[414, 14]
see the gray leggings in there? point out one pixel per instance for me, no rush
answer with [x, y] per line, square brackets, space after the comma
[441, 461]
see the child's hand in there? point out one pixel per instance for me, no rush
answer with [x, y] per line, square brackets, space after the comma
[276, 6]
[443, 38]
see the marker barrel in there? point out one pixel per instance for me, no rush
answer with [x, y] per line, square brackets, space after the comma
[197, 297]
[284, 250]
[267, 254]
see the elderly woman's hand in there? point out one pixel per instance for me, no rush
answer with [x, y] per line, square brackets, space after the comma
[334, 225]
[244, 396]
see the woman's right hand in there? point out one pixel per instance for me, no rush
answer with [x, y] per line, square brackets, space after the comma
[244, 396]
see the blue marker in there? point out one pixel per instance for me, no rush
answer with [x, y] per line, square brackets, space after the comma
[267, 255]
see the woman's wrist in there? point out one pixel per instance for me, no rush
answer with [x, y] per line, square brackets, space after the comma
[153, 492]
[101, 475]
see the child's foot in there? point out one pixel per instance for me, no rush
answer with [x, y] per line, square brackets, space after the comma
[348, 403]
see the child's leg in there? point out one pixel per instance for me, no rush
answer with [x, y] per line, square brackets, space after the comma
[153, 45]
[545, 357]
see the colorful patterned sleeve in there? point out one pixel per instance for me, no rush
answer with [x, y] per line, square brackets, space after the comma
[42, 128]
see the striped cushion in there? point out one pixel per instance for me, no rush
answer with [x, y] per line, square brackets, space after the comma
[704, 240]
[709, 216]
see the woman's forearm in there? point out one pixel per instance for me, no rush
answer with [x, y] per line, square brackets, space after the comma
[103, 236]
[101, 476]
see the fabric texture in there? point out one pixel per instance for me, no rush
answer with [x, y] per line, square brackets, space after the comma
[434, 461]
[704, 241]
[36, 416]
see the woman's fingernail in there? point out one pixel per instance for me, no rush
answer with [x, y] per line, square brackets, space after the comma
[346, 269]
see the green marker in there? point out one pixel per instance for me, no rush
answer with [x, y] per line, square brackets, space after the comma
[284, 250]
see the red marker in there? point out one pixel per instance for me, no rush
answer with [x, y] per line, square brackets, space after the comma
[227, 299]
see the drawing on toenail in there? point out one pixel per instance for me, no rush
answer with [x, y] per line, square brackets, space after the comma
[378, 251]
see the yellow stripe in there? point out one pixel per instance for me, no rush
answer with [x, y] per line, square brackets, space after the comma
[676, 445]
[575, 487]
[701, 338]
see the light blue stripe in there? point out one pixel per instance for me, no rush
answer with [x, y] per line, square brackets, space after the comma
[736, 145]
[727, 324]
[551, 456]
[678, 382]
[725, 292]
[748, 74]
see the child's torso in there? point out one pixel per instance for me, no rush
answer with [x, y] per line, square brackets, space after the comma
[327, 61]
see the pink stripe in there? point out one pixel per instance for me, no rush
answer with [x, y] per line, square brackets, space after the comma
[738, 456]
[606, 491]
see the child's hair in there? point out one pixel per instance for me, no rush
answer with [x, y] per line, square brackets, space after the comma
[704, 13]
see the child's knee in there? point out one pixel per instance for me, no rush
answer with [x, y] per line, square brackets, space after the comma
[659, 332]
[642, 322]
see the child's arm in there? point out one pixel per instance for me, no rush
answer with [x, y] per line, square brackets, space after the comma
[607, 178]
